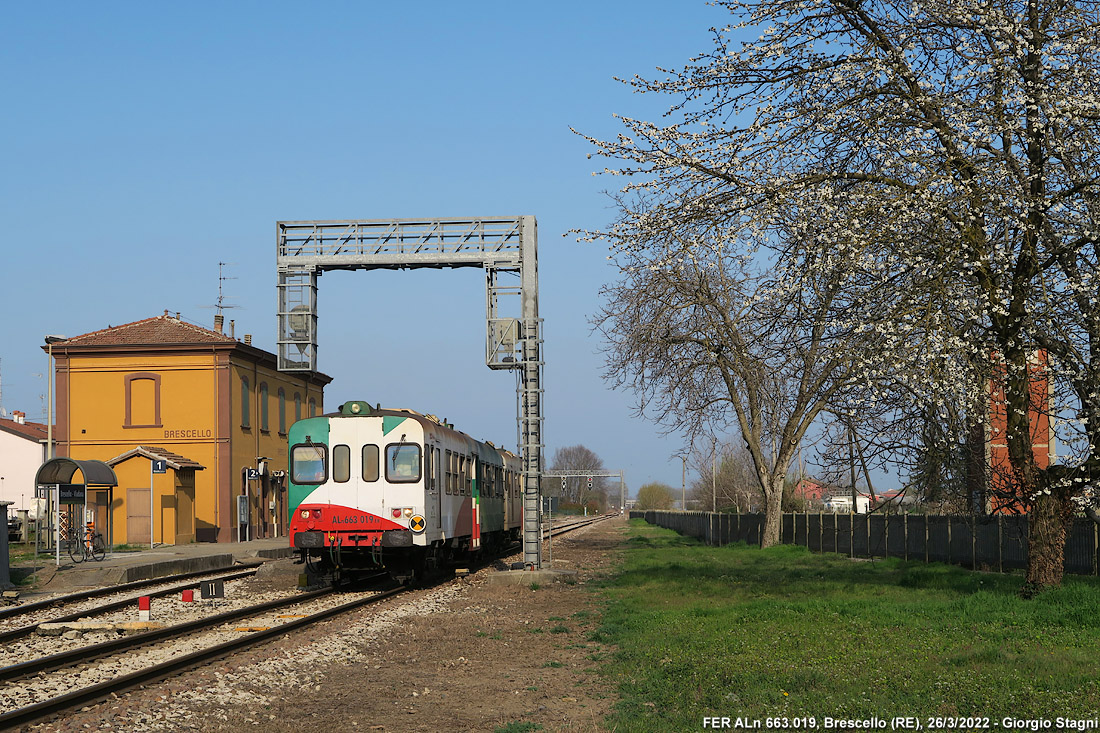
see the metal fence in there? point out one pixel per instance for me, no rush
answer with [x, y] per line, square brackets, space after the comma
[996, 542]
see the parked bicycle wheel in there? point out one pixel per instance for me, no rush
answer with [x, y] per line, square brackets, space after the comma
[76, 548]
[99, 551]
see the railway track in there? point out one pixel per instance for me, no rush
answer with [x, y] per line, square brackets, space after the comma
[23, 620]
[119, 664]
[43, 677]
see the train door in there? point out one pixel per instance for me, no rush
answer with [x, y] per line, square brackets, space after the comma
[368, 487]
[433, 479]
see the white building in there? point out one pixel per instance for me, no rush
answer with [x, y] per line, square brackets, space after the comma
[22, 452]
[843, 504]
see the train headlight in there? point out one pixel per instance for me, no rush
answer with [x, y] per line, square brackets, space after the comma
[408, 511]
[396, 513]
[305, 514]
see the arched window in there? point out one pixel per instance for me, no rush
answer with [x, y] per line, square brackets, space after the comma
[142, 390]
[245, 399]
[312, 407]
[297, 407]
[263, 406]
[282, 411]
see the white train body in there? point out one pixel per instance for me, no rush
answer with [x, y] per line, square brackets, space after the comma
[397, 489]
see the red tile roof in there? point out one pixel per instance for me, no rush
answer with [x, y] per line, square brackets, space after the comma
[164, 329]
[175, 460]
[32, 430]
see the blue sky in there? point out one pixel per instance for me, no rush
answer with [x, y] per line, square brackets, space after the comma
[142, 143]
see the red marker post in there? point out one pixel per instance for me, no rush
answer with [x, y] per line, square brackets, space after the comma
[143, 608]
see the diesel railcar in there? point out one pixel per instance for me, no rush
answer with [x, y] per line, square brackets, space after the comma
[396, 489]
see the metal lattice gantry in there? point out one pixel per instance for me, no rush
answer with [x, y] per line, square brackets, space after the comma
[505, 247]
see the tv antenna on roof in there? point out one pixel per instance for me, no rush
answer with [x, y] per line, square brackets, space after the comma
[221, 305]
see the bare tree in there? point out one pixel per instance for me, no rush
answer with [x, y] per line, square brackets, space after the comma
[951, 152]
[576, 491]
[706, 337]
[726, 479]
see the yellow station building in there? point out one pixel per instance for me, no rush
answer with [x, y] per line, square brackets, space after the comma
[209, 410]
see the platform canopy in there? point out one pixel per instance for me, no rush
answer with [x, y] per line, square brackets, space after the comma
[62, 470]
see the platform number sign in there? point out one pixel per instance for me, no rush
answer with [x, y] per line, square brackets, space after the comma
[160, 466]
[212, 589]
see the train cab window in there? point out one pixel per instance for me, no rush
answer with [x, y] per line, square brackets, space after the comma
[429, 468]
[341, 463]
[307, 463]
[370, 462]
[463, 481]
[402, 463]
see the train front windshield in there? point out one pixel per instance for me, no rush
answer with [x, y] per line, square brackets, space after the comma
[307, 464]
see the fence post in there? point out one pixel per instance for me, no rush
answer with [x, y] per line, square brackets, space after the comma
[948, 539]
[905, 536]
[885, 535]
[926, 537]
[1000, 543]
[973, 542]
[836, 533]
[1095, 549]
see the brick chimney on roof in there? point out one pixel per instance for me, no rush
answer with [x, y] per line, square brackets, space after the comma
[219, 321]
[19, 417]
[248, 339]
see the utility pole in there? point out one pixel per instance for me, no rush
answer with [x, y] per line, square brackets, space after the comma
[683, 484]
[714, 475]
[852, 469]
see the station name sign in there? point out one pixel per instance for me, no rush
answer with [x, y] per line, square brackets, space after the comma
[70, 493]
[189, 433]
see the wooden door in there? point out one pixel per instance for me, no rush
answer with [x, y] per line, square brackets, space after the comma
[137, 516]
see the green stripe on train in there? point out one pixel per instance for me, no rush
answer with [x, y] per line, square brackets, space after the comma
[316, 430]
[389, 422]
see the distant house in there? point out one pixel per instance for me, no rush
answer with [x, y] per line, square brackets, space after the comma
[22, 451]
[992, 481]
[810, 490]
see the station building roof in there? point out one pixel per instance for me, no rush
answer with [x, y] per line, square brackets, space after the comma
[164, 332]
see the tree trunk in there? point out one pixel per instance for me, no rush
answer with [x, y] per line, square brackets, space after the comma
[773, 513]
[1048, 520]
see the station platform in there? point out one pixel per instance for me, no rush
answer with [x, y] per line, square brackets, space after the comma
[159, 561]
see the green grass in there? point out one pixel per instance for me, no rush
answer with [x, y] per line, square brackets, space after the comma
[739, 631]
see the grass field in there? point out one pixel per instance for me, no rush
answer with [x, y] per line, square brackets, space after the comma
[738, 631]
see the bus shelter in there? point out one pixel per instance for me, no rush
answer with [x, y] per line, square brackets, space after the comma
[71, 502]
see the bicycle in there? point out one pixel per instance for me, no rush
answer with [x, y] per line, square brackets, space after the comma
[90, 546]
